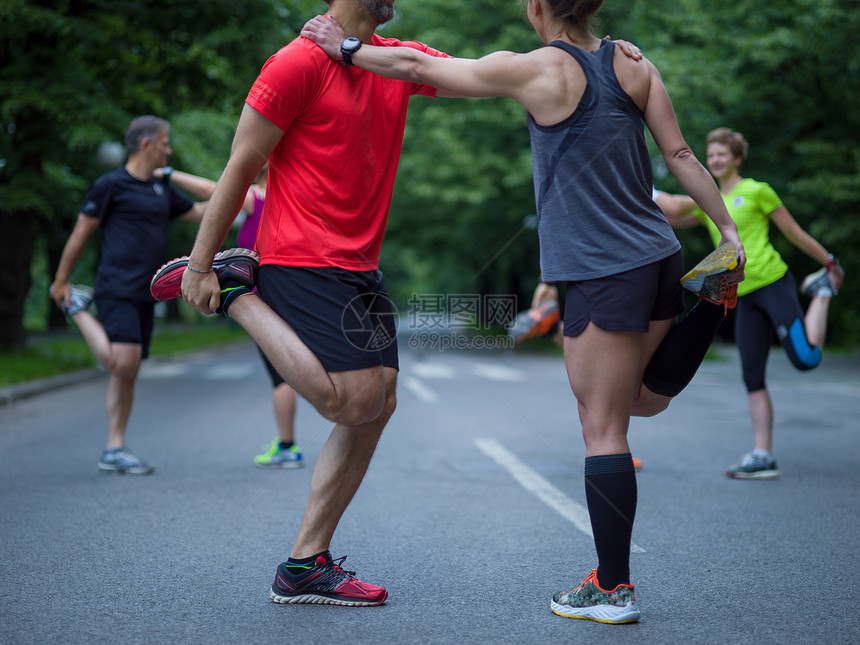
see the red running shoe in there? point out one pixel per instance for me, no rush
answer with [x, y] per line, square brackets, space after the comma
[537, 321]
[325, 583]
[236, 269]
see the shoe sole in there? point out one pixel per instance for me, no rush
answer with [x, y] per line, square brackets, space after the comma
[318, 599]
[110, 470]
[721, 260]
[285, 466]
[167, 282]
[629, 613]
[762, 474]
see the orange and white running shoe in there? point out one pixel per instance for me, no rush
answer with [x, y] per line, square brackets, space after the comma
[537, 321]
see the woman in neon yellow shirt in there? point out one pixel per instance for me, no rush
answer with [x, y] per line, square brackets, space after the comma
[767, 298]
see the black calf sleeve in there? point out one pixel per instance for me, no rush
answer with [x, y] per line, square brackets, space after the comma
[679, 355]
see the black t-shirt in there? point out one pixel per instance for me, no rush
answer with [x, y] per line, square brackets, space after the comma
[134, 216]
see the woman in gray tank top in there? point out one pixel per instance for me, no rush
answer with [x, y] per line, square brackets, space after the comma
[600, 232]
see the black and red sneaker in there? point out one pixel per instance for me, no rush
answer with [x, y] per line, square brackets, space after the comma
[541, 320]
[325, 583]
[236, 270]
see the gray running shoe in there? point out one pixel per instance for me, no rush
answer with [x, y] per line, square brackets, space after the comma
[125, 462]
[818, 284]
[754, 466]
[80, 299]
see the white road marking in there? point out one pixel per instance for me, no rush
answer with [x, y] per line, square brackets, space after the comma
[433, 370]
[499, 373]
[420, 390]
[162, 370]
[230, 371]
[541, 488]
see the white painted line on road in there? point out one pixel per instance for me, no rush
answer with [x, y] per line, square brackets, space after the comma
[541, 488]
[499, 373]
[162, 370]
[433, 370]
[230, 372]
[420, 390]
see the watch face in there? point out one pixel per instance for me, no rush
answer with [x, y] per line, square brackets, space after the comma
[351, 44]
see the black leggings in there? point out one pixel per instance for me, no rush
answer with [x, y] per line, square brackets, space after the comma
[773, 307]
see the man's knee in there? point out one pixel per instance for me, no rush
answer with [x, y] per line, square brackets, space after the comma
[363, 401]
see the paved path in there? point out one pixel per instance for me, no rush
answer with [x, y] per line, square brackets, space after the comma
[471, 514]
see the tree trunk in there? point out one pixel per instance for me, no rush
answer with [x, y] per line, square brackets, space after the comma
[16, 252]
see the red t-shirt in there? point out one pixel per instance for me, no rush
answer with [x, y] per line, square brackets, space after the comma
[332, 174]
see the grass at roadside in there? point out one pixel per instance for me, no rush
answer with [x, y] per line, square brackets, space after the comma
[54, 356]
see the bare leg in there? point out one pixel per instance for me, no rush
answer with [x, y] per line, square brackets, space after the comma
[761, 413]
[815, 321]
[602, 368]
[352, 397]
[645, 402]
[122, 361]
[338, 473]
[284, 404]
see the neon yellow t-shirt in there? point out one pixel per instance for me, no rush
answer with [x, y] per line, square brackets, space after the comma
[749, 205]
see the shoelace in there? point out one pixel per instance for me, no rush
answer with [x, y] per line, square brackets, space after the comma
[336, 565]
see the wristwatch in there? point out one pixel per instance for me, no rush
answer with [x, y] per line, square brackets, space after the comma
[348, 47]
[166, 172]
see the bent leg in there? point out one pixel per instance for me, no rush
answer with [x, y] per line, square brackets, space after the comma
[338, 473]
[351, 397]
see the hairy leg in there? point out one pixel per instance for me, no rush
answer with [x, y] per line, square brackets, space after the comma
[338, 473]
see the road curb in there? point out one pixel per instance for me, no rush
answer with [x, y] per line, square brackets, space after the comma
[29, 389]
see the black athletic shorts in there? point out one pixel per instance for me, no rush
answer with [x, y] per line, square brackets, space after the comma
[344, 317]
[626, 301]
[127, 321]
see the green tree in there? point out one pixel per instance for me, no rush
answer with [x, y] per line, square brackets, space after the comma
[73, 73]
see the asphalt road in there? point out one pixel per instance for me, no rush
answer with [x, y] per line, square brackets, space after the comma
[471, 514]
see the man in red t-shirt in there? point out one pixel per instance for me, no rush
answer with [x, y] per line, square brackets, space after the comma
[332, 134]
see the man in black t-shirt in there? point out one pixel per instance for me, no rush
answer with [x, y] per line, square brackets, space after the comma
[133, 209]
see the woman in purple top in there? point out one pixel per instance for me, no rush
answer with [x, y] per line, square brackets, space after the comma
[282, 452]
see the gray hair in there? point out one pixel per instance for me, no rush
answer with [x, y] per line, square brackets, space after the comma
[144, 127]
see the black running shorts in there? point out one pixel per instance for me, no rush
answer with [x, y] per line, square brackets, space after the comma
[626, 301]
[344, 317]
[127, 321]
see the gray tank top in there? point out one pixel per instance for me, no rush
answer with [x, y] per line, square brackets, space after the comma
[592, 178]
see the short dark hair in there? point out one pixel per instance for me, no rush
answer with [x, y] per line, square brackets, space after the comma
[144, 127]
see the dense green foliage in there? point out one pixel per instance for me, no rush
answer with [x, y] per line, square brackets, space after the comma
[73, 73]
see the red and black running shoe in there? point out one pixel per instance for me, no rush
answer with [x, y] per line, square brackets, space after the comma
[325, 583]
[236, 270]
[537, 321]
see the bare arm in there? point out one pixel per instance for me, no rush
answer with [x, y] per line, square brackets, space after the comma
[678, 210]
[497, 74]
[75, 245]
[198, 187]
[696, 181]
[255, 139]
[806, 243]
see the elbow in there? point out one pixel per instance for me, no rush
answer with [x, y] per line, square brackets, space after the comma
[681, 155]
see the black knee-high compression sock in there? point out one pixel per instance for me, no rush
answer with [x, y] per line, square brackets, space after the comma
[679, 355]
[611, 494]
